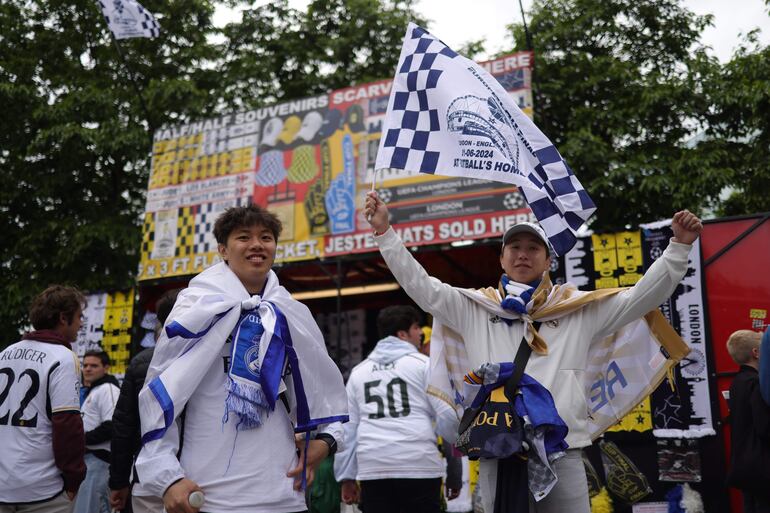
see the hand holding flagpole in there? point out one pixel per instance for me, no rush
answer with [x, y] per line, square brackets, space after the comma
[376, 213]
[374, 180]
[448, 116]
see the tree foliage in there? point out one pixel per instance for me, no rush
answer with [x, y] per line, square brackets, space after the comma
[629, 95]
[277, 53]
[75, 138]
[740, 125]
[648, 120]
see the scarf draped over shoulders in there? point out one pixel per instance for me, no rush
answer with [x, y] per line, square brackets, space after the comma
[646, 349]
[210, 311]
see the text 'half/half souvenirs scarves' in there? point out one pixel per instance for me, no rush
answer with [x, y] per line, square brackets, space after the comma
[268, 333]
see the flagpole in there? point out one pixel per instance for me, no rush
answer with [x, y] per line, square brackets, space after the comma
[528, 37]
[132, 79]
[526, 30]
[374, 180]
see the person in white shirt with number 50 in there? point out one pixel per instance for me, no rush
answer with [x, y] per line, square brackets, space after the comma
[390, 441]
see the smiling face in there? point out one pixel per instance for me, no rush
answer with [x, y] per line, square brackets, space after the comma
[525, 258]
[250, 252]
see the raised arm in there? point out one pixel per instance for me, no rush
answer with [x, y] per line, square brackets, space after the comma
[657, 284]
[442, 301]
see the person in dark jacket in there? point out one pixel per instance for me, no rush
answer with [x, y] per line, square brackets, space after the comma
[126, 438]
[750, 425]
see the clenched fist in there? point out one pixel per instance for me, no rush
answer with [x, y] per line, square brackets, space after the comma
[686, 227]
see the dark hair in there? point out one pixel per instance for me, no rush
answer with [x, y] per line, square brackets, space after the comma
[165, 304]
[393, 319]
[104, 357]
[238, 217]
[46, 307]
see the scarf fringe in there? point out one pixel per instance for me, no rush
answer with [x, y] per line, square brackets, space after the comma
[248, 401]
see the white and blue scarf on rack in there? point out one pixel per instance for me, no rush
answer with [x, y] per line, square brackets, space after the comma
[269, 332]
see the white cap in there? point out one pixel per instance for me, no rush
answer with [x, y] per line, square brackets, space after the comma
[532, 228]
[310, 125]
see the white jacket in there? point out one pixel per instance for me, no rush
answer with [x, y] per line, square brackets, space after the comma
[561, 370]
[98, 408]
[391, 429]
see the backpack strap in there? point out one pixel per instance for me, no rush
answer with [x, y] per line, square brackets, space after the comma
[522, 355]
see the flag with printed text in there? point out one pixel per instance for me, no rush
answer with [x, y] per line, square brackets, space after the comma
[447, 116]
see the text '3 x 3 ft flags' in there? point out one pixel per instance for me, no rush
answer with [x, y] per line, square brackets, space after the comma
[447, 115]
[127, 18]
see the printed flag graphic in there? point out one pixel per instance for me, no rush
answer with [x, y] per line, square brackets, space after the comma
[447, 115]
[127, 18]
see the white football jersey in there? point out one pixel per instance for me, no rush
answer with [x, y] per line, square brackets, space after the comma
[391, 433]
[37, 379]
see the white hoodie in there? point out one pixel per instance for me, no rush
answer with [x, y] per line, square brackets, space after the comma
[390, 433]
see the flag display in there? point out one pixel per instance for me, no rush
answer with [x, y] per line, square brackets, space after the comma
[127, 18]
[107, 321]
[446, 115]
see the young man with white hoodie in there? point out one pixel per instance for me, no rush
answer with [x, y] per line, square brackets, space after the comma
[559, 347]
[390, 441]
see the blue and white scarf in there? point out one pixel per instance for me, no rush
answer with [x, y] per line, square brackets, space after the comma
[257, 362]
[543, 429]
[517, 297]
[533, 401]
[269, 333]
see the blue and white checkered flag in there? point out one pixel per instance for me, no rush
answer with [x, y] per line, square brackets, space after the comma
[448, 116]
[127, 18]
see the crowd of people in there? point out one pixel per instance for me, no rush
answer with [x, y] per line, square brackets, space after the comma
[239, 407]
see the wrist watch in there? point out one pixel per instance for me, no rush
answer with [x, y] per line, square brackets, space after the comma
[330, 441]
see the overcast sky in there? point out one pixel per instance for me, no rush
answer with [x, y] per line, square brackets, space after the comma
[455, 23]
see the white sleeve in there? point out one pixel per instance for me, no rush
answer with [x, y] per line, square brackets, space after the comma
[64, 385]
[107, 401]
[442, 301]
[336, 430]
[157, 465]
[657, 284]
[345, 463]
